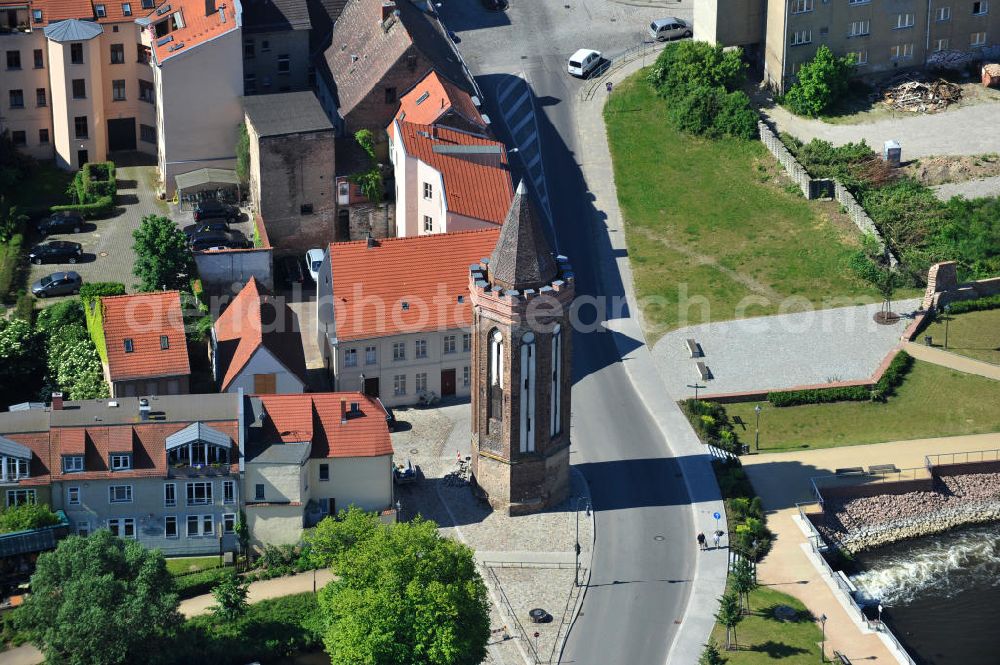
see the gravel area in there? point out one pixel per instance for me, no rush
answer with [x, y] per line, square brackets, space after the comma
[970, 189]
[781, 351]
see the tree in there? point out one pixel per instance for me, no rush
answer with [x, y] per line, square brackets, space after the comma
[406, 595]
[74, 364]
[162, 256]
[729, 615]
[370, 180]
[695, 63]
[11, 220]
[100, 600]
[711, 655]
[743, 582]
[242, 530]
[334, 536]
[22, 360]
[231, 597]
[820, 82]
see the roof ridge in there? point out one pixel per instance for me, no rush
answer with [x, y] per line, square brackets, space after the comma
[425, 237]
[140, 294]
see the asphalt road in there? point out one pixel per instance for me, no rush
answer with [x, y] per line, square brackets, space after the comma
[644, 554]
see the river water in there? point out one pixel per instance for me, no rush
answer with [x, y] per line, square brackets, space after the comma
[940, 594]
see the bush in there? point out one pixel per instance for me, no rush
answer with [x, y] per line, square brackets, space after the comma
[977, 305]
[748, 530]
[200, 583]
[891, 379]
[10, 263]
[695, 63]
[56, 317]
[819, 83]
[736, 117]
[27, 516]
[712, 424]
[94, 290]
[894, 375]
[25, 307]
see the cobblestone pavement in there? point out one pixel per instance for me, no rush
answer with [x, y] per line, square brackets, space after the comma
[841, 344]
[107, 243]
[970, 189]
[433, 440]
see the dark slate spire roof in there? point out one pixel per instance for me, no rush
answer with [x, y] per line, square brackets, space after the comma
[522, 258]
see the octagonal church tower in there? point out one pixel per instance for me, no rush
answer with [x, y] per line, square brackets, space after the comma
[521, 366]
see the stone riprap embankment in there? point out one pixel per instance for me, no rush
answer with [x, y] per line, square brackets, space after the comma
[862, 523]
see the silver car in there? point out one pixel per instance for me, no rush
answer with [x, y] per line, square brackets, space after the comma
[57, 284]
[663, 29]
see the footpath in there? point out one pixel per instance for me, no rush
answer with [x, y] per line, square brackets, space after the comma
[952, 360]
[709, 577]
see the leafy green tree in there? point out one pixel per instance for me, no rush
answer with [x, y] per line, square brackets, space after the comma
[730, 616]
[74, 365]
[26, 516]
[100, 600]
[743, 582]
[242, 530]
[820, 82]
[406, 595]
[231, 597]
[162, 256]
[22, 360]
[56, 317]
[332, 537]
[11, 220]
[711, 655]
[695, 63]
[370, 180]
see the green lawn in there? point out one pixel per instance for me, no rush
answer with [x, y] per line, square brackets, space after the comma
[933, 401]
[764, 639]
[714, 222]
[973, 334]
[192, 564]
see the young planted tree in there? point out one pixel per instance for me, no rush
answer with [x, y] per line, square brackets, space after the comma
[743, 582]
[711, 655]
[100, 600]
[729, 615]
[231, 597]
[163, 260]
[819, 83]
[370, 180]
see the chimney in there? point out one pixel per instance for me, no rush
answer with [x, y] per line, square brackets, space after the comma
[209, 7]
[57, 401]
[388, 6]
[343, 411]
[143, 409]
[371, 241]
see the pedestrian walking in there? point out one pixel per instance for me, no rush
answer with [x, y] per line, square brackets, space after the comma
[701, 541]
[718, 538]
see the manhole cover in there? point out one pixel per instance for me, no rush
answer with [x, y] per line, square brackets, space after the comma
[414, 451]
[785, 613]
[538, 615]
[658, 538]
[103, 254]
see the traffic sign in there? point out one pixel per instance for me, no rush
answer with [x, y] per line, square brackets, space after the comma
[717, 516]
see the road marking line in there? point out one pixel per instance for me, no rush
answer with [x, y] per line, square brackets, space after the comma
[520, 100]
[509, 89]
[524, 121]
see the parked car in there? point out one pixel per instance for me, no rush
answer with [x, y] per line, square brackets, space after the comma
[206, 240]
[217, 225]
[56, 251]
[495, 5]
[288, 270]
[60, 223]
[314, 259]
[669, 28]
[57, 284]
[212, 209]
[583, 62]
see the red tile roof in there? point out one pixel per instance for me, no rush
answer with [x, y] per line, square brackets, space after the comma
[58, 10]
[428, 273]
[144, 318]
[431, 98]
[362, 435]
[475, 185]
[198, 28]
[241, 329]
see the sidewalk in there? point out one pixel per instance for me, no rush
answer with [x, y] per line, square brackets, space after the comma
[952, 360]
[709, 576]
[782, 479]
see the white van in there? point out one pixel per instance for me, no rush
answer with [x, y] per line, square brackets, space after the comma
[583, 62]
[663, 29]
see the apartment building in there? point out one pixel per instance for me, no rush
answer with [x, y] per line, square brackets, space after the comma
[882, 35]
[173, 472]
[276, 51]
[394, 315]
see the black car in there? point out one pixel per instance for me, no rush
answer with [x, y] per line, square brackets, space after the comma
[289, 270]
[60, 223]
[213, 239]
[57, 284]
[56, 251]
[495, 5]
[210, 209]
[201, 227]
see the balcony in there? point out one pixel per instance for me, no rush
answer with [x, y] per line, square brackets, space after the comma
[198, 470]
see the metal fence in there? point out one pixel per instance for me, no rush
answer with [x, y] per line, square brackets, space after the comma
[870, 477]
[610, 65]
[494, 581]
[972, 456]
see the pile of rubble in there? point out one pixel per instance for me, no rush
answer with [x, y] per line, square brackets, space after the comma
[917, 96]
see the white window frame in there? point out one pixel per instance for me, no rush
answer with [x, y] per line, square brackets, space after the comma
[901, 51]
[860, 57]
[399, 385]
[984, 8]
[192, 498]
[350, 357]
[420, 348]
[905, 20]
[121, 524]
[428, 224]
[72, 463]
[941, 45]
[942, 14]
[169, 495]
[83, 528]
[974, 39]
[113, 490]
[801, 37]
[73, 496]
[371, 355]
[120, 461]
[228, 491]
[802, 6]
[448, 343]
[420, 382]
[860, 28]
[29, 496]
[466, 342]
[398, 351]
[177, 532]
[428, 191]
[228, 523]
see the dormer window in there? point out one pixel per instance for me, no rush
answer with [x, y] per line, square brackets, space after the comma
[120, 461]
[129, 345]
[72, 463]
[164, 342]
[198, 445]
[36, 15]
[101, 11]
[127, 8]
[14, 460]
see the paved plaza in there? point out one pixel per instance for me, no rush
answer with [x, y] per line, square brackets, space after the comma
[775, 352]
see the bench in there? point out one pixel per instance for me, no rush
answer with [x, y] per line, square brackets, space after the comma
[882, 468]
[841, 658]
[703, 371]
[851, 471]
[693, 348]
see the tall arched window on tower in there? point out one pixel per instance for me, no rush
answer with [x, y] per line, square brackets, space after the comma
[554, 393]
[494, 402]
[527, 402]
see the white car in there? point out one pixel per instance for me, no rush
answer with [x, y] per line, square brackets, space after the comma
[583, 62]
[314, 259]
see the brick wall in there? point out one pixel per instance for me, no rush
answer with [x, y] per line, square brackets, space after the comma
[374, 112]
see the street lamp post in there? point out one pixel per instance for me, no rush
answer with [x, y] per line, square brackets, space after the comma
[947, 318]
[696, 386]
[756, 438]
[576, 577]
[822, 644]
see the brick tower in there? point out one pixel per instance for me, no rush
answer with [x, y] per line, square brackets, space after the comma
[521, 366]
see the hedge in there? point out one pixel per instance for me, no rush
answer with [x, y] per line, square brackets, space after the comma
[200, 583]
[977, 305]
[102, 206]
[10, 259]
[94, 290]
[891, 379]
